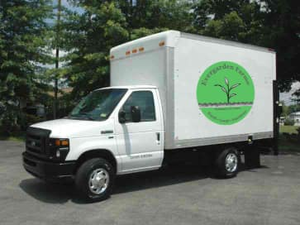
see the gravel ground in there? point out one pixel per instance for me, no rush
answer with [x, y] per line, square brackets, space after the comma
[177, 195]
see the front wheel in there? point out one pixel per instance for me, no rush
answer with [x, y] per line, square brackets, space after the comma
[227, 163]
[95, 179]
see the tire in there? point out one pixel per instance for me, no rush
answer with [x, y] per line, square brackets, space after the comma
[94, 179]
[227, 163]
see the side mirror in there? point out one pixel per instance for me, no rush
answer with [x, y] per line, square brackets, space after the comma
[135, 114]
[122, 118]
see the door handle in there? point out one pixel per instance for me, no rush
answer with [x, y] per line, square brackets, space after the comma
[158, 137]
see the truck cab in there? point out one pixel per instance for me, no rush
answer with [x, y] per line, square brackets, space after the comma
[124, 125]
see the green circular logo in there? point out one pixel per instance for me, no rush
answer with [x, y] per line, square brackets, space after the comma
[225, 93]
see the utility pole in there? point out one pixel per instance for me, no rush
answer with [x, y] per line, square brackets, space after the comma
[129, 17]
[55, 104]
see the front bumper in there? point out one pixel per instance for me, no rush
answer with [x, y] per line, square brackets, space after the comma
[48, 170]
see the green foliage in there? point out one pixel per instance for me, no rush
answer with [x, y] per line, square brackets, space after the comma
[285, 110]
[267, 23]
[238, 20]
[158, 14]
[289, 122]
[23, 40]
[89, 37]
[294, 108]
[281, 32]
[232, 20]
[296, 96]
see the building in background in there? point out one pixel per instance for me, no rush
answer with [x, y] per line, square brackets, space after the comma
[295, 116]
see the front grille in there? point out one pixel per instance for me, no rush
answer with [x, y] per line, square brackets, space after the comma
[37, 141]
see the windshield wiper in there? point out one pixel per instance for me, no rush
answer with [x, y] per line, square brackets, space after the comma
[79, 116]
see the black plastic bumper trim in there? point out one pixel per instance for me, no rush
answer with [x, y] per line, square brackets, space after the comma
[48, 170]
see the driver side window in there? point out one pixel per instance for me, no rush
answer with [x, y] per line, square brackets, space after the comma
[144, 100]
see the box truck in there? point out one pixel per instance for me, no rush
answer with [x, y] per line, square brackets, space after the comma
[173, 97]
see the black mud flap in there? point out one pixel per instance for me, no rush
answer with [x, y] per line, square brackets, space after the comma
[277, 109]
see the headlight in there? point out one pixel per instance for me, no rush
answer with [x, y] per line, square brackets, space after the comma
[59, 148]
[58, 153]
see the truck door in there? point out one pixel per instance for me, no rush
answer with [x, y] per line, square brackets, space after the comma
[140, 144]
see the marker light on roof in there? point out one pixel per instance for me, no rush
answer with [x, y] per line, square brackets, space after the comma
[162, 43]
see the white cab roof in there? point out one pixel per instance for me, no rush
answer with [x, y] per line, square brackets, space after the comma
[129, 87]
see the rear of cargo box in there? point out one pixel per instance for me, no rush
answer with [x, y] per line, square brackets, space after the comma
[223, 92]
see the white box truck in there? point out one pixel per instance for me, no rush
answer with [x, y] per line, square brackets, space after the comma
[173, 96]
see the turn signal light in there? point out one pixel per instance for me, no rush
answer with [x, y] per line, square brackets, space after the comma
[64, 142]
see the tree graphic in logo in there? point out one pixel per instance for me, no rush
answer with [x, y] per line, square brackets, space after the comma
[227, 89]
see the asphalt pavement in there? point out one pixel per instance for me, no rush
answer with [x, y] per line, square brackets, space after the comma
[183, 194]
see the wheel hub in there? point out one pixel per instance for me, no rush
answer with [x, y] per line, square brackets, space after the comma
[231, 162]
[98, 181]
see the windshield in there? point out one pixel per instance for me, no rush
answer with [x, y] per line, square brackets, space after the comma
[98, 105]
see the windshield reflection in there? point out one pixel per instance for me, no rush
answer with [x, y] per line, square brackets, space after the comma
[98, 105]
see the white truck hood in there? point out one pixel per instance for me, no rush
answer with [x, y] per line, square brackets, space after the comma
[70, 128]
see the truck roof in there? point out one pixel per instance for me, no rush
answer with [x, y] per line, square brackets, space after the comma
[170, 38]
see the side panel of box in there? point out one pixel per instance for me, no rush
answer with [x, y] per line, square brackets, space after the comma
[209, 84]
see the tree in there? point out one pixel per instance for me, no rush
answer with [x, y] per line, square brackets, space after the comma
[147, 17]
[296, 96]
[23, 40]
[88, 39]
[281, 32]
[268, 23]
[236, 20]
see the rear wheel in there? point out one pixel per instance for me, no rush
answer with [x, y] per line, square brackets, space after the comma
[227, 163]
[95, 179]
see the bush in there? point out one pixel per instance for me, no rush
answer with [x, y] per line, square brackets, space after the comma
[15, 123]
[9, 122]
[289, 122]
[31, 119]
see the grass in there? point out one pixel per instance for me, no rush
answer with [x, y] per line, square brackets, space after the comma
[289, 140]
[288, 129]
[287, 144]
[12, 138]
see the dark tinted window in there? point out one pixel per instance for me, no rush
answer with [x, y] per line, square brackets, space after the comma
[144, 100]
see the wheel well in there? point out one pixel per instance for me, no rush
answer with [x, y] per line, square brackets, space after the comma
[97, 153]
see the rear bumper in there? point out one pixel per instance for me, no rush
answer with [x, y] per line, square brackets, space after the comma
[48, 170]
